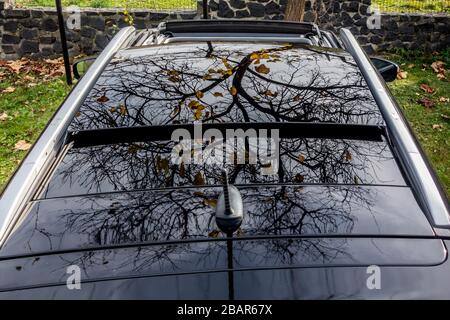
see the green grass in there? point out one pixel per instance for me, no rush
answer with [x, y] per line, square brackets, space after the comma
[386, 5]
[435, 142]
[138, 4]
[29, 109]
[413, 5]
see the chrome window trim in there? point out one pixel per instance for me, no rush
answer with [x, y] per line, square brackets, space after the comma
[20, 188]
[420, 175]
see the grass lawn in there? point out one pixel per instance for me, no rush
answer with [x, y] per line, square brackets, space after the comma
[25, 112]
[431, 125]
[148, 4]
[386, 5]
[29, 109]
[413, 5]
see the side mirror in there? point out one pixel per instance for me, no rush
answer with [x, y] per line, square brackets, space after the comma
[387, 69]
[80, 67]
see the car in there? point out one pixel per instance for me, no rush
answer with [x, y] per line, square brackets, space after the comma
[227, 159]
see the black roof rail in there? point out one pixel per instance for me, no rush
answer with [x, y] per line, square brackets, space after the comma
[238, 26]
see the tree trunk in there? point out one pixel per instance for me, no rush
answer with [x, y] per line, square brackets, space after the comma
[295, 10]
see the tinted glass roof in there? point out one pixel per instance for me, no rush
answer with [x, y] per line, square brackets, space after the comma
[148, 165]
[224, 84]
[228, 82]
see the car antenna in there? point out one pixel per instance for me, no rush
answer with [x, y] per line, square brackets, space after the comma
[230, 208]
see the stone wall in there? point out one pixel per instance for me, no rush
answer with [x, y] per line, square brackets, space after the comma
[393, 30]
[426, 32]
[247, 9]
[35, 32]
[410, 31]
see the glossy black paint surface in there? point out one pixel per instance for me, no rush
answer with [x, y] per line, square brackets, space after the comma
[171, 233]
[171, 215]
[228, 82]
[212, 257]
[306, 283]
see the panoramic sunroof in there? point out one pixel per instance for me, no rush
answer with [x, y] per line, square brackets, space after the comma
[150, 165]
[222, 83]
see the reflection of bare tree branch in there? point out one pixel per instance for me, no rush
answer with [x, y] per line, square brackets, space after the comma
[258, 83]
[186, 214]
[302, 85]
[147, 165]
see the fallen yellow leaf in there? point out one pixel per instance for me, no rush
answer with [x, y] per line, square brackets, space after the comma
[299, 178]
[174, 78]
[195, 105]
[199, 94]
[103, 99]
[9, 90]
[123, 110]
[438, 66]
[214, 234]
[402, 75]
[198, 114]
[210, 202]
[22, 145]
[262, 69]
[254, 56]
[269, 93]
[426, 88]
[3, 116]
[199, 180]
[348, 155]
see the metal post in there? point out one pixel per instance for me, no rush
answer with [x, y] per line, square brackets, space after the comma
[205, 9]
[65, 50]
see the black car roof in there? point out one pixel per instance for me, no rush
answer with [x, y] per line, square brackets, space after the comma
[114, 203]
[331, 129]
[184, 215]
[321, 169]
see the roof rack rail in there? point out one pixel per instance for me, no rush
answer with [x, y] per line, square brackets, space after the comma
[233, 30]
[238, 26]
[424, 182]
[41, 156]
